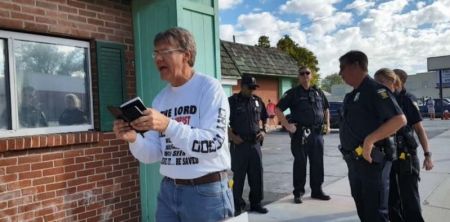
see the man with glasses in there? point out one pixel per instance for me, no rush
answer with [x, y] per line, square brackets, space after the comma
[186, 132]
[370, 116]
[248, 118]
[310, 119]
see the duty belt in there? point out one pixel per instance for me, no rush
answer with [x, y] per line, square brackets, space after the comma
[378, 154]
[251, 138]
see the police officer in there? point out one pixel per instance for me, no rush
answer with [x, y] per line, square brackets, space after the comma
[404, 199]
[247, 112]
[310, 110]
[370, 115]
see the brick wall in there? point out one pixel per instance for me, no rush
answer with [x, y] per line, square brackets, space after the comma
[87, 176]
[268, 89]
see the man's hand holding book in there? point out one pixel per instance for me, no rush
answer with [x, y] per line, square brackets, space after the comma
[133, 116]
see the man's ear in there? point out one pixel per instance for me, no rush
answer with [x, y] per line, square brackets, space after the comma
[187, 56]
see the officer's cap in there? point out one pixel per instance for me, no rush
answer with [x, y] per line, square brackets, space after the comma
[249, 81]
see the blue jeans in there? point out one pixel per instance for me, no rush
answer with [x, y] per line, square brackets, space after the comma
[204, 202]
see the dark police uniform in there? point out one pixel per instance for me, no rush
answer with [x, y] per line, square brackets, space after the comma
[307, 111]
[365, 109]
[404, 199]
[246, 158]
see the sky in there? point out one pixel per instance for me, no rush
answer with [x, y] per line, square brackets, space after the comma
[393, 34]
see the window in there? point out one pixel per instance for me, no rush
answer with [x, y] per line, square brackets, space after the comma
[44, 85]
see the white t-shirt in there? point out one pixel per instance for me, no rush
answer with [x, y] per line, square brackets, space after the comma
[195, 142]
[430, 103]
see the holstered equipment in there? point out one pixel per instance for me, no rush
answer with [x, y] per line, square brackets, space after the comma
[382, 150]
[377, 155]
[407, 150]
[405, 140]
[388, 146]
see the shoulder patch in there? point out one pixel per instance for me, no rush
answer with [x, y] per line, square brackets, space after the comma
[382, 93]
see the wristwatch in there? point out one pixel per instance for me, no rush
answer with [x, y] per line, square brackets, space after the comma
[427, 154]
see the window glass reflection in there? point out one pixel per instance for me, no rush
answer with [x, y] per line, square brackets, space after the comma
[52, 84]
[5, 111]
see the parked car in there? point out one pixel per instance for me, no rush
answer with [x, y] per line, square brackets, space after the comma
[438, 107]
[335, 114]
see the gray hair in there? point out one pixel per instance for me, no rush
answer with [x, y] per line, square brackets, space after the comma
[182, 37]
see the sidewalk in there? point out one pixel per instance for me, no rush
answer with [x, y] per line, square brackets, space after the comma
[434, 189]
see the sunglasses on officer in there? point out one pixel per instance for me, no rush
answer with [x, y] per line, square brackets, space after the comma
[302, 73]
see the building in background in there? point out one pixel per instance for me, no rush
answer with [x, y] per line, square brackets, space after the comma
[274, 70]
[425, 85]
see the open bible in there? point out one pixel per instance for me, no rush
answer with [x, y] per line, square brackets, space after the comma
[128, 111]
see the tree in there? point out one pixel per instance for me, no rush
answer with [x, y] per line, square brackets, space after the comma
[331, 80]
[50, 59]
[303, 56]
[263, 41]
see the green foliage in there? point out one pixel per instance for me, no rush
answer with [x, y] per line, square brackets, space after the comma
[303, 56]
[331, 80]
[50, 59]
[263, 41]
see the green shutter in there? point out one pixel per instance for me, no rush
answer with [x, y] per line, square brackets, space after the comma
[111, 80]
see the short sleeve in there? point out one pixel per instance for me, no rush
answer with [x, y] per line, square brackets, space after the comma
[412, 112]
[325, 104]
[264, 114]
[285, 100]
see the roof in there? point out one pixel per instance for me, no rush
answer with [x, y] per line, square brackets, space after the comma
[229, 69]
[255, 60]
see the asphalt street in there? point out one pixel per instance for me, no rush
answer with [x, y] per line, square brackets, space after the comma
[277, 161]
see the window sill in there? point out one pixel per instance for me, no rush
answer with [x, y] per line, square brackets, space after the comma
[51, 140]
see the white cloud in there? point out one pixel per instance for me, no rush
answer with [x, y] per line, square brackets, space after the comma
[420, 4]
[312, 9]
[320, 27]
[389, 35]
[227, 32]
[227, 4]
[360, 6]
[393, 6]
[251, 26]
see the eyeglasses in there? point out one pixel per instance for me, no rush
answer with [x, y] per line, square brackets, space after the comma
[304, 73]
[165, 52]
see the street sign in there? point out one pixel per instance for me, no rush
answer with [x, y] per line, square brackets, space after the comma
[438, 63]
[445, 79]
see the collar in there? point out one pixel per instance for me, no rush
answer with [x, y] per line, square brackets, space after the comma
[242, 96]
[365, 81]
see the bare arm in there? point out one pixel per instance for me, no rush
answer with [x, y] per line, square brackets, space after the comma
[327, 119]
[423, 139]
[386, 129]
[289, 126]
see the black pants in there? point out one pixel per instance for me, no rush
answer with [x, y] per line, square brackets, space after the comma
[312, 149]
[246, 159]
[404, 199]
[369, 184]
